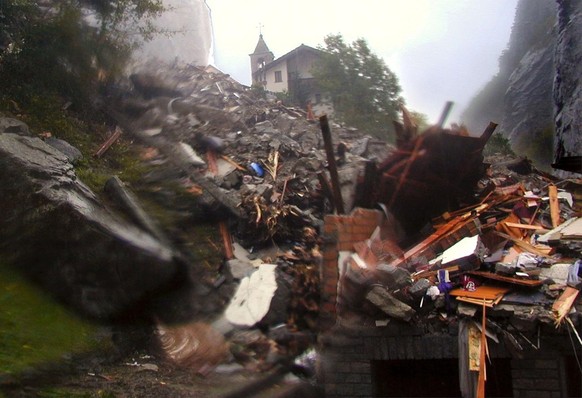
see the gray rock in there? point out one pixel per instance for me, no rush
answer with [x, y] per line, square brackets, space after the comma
[72, 153]
[232, 180]
[419, 288]
[568, 87]
[239, 269]
[13, 126]
[388, 304]
[528, 99]
[285, 123]
[53, 228]
[505, 268]
[393, 277]
[265, 127]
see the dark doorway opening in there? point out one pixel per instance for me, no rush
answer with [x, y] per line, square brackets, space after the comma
[434, 378]
[573, 376]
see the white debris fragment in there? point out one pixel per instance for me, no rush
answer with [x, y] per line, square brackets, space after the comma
[252, 299]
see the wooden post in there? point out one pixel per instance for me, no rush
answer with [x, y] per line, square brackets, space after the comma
[482, 364]
[445, 114]
[327, 142]
[488, 133]
[324, 182]
[368, 186]
[554, 205]
[226, 240]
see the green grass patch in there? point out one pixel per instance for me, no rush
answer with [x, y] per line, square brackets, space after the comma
[34, 329]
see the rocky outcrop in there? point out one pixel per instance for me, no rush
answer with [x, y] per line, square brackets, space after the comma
[528, 99]
[568, 87]
[519, 96]
[61, 235]
[537, 91]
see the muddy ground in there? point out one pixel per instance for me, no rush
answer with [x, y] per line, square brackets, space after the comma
[122, 378]
[139, 373]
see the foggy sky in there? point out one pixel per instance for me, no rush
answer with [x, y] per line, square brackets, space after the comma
[440, 50]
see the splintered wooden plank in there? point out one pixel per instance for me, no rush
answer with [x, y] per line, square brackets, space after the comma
[516, 281]
[564, 303]
[445, 230]
[526, 226]
[554, 205]
[108, 142]
[544, 252]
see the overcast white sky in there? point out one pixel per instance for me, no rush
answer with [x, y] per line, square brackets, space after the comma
[441, 50]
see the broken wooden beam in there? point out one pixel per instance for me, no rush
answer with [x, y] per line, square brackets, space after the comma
[488, 133]
[562, 306]
[441, 233]
[366, 194]
[324, 183]
[482, 365]
[328, 144]
[226, 240]
[554, 205]
[445, 114]
[508, 279]
[108, 142]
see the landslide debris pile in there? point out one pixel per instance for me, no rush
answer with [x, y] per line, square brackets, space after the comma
[217, 153]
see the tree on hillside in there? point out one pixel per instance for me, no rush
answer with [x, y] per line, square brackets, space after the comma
[364, 92]
[67, 47]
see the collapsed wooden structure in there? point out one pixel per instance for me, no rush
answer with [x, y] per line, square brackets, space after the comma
[439, 234]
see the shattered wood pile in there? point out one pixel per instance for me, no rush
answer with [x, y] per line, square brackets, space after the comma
[456, 240]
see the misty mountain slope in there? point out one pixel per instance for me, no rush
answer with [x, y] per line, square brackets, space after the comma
[519, 96]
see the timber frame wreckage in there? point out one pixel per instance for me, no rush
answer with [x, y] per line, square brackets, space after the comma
[399, 318]
[397, 258]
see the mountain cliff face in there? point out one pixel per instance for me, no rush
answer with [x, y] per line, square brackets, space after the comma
[568, 87]
[536, 92]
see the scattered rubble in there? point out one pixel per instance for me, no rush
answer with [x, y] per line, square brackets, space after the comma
[508, 249]
[455, 235]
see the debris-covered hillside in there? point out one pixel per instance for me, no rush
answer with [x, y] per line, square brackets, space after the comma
[453, 231]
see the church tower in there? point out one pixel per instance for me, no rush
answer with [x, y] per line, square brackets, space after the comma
[259, 58]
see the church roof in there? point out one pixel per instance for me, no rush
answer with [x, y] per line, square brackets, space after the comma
[261, 47]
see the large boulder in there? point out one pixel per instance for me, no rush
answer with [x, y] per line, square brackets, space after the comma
[55, 230]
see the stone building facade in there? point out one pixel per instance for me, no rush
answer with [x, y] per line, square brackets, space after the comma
[291, 73]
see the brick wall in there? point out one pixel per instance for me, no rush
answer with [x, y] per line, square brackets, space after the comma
[346, 357]
[543, 373]
[340, 234]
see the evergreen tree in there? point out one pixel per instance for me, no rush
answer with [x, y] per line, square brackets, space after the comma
[364, 92]
[68, 48]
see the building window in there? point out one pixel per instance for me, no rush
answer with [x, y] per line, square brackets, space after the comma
[278, 76]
